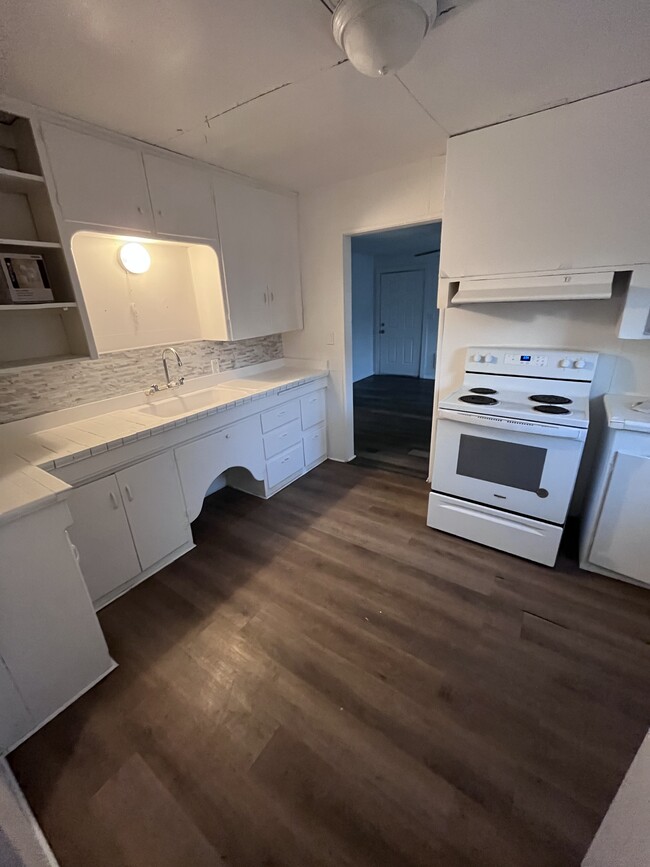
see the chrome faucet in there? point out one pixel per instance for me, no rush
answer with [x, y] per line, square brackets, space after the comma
[171, 383]
[165, 352]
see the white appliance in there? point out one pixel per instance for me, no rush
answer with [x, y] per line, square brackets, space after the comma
[508, 448]
[615, 533]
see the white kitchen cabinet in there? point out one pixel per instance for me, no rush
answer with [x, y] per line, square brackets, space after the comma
[50, 638]
[15, 719]
[539, 193]
[203, 460]
[181, 197]
[258, 232]
[155, 507]
[102, 535]
[621, 542]
[98, 181]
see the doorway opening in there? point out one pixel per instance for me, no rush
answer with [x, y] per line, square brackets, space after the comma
[394, 345]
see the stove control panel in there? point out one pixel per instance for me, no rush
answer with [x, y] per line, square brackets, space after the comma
[545, 363]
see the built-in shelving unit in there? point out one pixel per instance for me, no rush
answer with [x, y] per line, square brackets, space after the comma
[19, 182]
[41, 332]
[52, 305]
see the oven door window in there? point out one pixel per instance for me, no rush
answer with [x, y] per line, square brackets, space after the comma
[501, 462]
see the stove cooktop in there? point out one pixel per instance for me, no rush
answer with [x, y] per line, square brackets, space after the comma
[570, 409]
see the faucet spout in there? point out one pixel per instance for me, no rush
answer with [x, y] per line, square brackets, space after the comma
[165, 353]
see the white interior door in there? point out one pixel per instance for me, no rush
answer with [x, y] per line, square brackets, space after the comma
[401, 299]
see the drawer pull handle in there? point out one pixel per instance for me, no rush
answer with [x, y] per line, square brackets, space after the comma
[284, 460]
[313, 400]
[283, 412]
[113, 500]
[282, 436]
[129, 495]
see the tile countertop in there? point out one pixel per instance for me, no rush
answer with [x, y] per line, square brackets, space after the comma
[26, 457]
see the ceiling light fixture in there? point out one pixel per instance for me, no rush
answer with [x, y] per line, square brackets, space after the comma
[134, 258]
[381, 36]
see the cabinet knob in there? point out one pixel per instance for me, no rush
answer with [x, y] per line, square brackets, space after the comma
[127, 491]
[113, 500]
[160, 213]
[140, 210]
[227, 436]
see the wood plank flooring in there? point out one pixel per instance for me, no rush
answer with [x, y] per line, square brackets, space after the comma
[392, 423]
[326, 681]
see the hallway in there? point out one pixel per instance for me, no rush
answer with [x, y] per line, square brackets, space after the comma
[392, 423]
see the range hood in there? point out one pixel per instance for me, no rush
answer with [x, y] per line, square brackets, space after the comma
[541, 287]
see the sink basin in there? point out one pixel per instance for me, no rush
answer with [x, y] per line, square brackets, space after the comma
[194, 401]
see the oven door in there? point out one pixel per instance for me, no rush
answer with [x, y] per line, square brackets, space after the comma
[519, 466]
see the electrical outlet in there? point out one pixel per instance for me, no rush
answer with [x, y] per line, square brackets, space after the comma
[330, 338]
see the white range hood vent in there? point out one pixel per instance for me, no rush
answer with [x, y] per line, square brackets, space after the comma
[541, 287]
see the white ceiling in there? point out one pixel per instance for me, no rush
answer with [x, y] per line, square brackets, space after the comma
[260, 87]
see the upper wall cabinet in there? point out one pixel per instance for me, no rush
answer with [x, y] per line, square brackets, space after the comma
[98, 181]
[558, 190]
[181, 198]
[258, 231]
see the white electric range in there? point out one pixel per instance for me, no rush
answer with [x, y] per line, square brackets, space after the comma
[508, 447]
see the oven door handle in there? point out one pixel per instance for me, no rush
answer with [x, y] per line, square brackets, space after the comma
[516, 425]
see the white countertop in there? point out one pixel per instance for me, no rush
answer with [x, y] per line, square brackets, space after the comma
[27, 456]
[622, 415]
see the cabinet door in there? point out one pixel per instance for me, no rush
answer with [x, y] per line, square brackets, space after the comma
[98, 181]
[102, 536]
[50, 638]
[154, 504]
[621, 542]
[283, 256]
[15, 720]
[242, 230]
[181, 198]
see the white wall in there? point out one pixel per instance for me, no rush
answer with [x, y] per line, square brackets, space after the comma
[428, 264]
[363, 315]
[396, 197]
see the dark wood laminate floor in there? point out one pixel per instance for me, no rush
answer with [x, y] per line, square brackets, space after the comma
[392, 423]
[326, 681]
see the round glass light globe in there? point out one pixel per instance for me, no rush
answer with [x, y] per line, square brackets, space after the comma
[384, 36]
[134, 258]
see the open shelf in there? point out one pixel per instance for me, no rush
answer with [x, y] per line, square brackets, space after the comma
[50, 305]
[12, 181]
[39, 359]
[34, 245]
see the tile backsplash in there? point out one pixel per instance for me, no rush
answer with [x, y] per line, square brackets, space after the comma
[45, 388]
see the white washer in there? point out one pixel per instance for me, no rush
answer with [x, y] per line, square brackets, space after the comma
[615, 533]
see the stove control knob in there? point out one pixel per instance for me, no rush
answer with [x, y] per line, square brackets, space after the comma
[565, 362]
[477, 357]
[579, 363]
[490, 359]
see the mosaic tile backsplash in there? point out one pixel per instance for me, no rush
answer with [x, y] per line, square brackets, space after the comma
[46, 388]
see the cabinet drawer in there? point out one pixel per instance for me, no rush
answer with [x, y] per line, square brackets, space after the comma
[285, 465]
[315, 445]
[282, 438]
[312, 409]
[273, 418]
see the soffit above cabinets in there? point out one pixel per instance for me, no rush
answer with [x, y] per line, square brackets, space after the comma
[256, 86]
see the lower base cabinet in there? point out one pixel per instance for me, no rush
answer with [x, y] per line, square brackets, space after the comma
[51, 645]
[127, 522]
